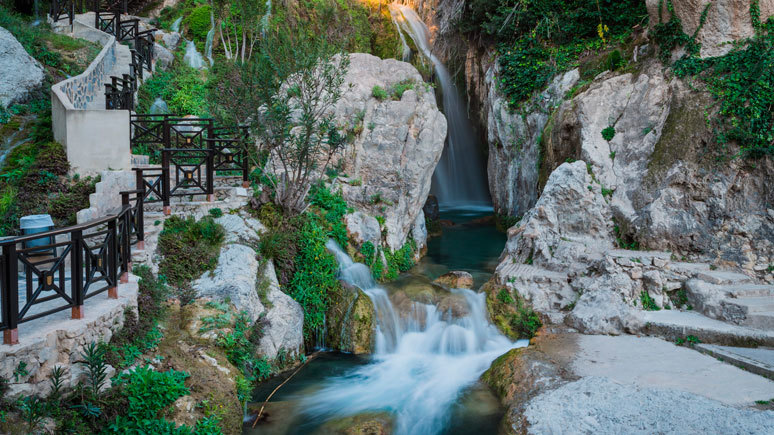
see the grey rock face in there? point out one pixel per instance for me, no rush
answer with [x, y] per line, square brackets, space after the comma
[285, 318]
[163, 56]
[363, 228]
[513, 142]
[21, 74]
[401, 141]
[726, 21]
[234, 278]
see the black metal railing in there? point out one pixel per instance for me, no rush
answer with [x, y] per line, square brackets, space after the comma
[119, 93]
[62, 8]
[71, 265]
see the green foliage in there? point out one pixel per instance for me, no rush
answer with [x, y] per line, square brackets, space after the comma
[648, 303]
[689, 340]
[20, 372]
[315, 277]
[332, 207]
[148, 393]
[96, 368]
[379, 93]
[216, 212]
[189, 248]
[615, 60]
[183, 89]
[608, 133]
[538, 38]
[504, 296]
[368, 251]
[399, 88]
[198, 22]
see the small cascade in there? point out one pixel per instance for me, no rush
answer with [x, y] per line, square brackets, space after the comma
[210, 37]
[18, 137]
[265, 19]
[192, 57]
[158, 107]
[422, 363]
[460, 177]
[176, 25]
[36, 13]
[396, 15]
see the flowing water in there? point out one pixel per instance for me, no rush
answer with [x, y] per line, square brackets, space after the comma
[460, 177]
[426, 363]
[192, 57]
[176, 25]
[210, 37]
[158, 107]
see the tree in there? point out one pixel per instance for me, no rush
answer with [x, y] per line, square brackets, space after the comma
[287, 92]
[239, 24]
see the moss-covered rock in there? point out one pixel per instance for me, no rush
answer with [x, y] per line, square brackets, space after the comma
[510, 312]
[370, 423]
[349, 321]
[523, 373]
[455, 279]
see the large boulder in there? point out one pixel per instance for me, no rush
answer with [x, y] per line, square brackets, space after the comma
[726, 21]
[21, 74]
[285, 318]
[233, 279]
[397, 143]
[350, 321]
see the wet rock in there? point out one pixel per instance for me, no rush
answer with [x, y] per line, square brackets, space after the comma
[21, 73]
[431, 208]
[350, 321]
[362, 228]
[370, 423]
[455, 279]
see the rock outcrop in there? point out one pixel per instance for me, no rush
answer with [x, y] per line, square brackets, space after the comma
[251, 285]
[350, 321]
[20, 72]
[725, 21]
[397, 143]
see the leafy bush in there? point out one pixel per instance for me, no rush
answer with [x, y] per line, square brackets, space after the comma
[315, 277]
[199, 23]
[368, 251]
[332, 207]
[216, 213]
[608, 133]
[648, 303]
[181, 86]
[189, 248]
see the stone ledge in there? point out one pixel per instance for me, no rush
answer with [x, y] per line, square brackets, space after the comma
[58, 340]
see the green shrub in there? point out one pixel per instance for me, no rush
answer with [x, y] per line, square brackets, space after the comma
[368, 251]
[188, 248]
[332, 207]
[315, 277]
[216, 213]
[199, 23]
[647, 302]
[615, 60]
[399, 88]
[608, 133]
[379, 93]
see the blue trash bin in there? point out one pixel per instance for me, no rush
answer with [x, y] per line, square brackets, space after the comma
[37, 223]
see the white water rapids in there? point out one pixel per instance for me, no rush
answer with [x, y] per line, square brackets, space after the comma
[421, 365]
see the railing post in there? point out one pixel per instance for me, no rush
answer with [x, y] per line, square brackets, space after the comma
[96, 14]
[125, 245]
[112, 260]
[76, 273]
[165, 180]
[10, 294]
[210, 174]
[244, 136]
[140, 214]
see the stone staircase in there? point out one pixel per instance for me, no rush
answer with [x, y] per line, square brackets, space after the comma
[720, 306]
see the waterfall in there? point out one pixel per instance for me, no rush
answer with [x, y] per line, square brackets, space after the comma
[460, 177]
[158, 107]
[265, 18]
[422, 361]
[192, 57]
[396, 15]
[210, 37]
[176, 25]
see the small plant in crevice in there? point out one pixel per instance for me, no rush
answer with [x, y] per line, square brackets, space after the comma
[379, 93]
[20, 372]
[33, 411]
[690, 340]
[216, 212]
[648, 303]
[608, 133]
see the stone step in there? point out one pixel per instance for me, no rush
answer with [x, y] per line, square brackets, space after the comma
[527, 272]
[690, 269]
[759, 360]
[626, 253]
[758, 304]
[721, 277]
[750, 290]
[764, 321]
[674, 324]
